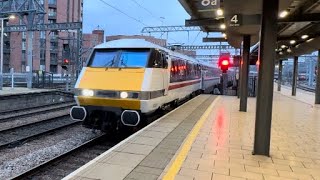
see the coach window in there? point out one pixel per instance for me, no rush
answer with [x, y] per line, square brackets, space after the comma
[156, 60]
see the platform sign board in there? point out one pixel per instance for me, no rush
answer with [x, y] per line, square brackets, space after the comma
[236, 20]
[208, 5]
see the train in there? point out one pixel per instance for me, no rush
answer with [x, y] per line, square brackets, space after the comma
[126, 80]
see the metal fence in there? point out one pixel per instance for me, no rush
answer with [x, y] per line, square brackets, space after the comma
[41, 79]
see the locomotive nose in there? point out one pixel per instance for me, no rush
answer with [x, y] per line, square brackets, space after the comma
[78, 113]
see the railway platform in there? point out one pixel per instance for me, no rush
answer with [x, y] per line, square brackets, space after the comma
[19, 90]
[208, 138]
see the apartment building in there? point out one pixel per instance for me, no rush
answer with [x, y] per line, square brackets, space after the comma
[47, 45]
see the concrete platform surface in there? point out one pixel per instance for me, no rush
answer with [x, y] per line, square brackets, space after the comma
[19, 90]
[218, 144]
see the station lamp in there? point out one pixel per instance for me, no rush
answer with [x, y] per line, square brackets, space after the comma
[304, 36]
[289, 50]
[222, 26]
[224, 35]
[292, 41]
[309, 40]
[219, 12]
[283, 14]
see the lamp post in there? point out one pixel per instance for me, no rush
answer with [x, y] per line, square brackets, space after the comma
[1, 47]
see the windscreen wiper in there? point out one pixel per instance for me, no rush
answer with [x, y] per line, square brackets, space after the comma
[110, 63]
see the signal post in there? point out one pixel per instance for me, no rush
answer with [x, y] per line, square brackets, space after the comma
[224, 63]
[65, 65]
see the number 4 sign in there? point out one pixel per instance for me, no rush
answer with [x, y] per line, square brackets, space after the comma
[235, 20]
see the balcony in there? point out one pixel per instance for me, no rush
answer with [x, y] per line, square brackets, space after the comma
[52, 16]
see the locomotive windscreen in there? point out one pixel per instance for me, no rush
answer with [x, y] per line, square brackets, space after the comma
[121, 58]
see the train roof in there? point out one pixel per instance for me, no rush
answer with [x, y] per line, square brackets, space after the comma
[141, 43]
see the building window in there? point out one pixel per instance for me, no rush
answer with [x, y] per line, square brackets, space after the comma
[23, 45]
[52, 12]
[52, 21]
[42, 35]
[53, 45]
[23, 56]
[24, 35]
[53, 68]
[52, 2]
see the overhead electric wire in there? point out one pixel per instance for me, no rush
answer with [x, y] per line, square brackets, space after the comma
[131, 17]
[196, 38]
[138, 4]
[119, 10]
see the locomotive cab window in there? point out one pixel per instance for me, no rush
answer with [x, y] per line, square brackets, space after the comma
[119, 58]
[105, 58]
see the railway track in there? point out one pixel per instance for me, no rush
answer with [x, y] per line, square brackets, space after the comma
[32, 111]
[15, 136]
[64, 164]
[306, 88]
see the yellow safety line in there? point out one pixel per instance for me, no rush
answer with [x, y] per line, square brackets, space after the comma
[186, 146]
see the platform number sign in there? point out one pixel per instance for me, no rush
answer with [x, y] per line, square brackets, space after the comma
[209, 2]
[208, 5]
[235, 20]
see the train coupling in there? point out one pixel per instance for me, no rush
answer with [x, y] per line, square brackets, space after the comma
[78, 113]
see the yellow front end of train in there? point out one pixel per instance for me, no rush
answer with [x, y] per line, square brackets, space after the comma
[111, 87]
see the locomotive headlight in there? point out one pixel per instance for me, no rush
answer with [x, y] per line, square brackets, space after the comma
[124, 95]
[87, 92]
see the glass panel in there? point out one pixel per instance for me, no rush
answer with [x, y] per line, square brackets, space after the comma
[134, 58]
[120, 58]
[103, 59]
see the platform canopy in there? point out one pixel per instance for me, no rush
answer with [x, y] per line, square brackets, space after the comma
[243, 17]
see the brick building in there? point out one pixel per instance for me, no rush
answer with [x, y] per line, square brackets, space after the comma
[47, 45]
[89, 41]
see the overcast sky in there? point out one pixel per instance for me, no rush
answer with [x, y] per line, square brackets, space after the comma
[150, 13]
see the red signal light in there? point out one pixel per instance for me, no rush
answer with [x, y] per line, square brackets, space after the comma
[225, 62]
[66, 61]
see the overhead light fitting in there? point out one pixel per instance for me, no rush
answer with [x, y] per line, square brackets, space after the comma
[289, 50]
[222, 26]
[304, 36]
[219, 12]
[224, 35]
[309, 40]
[12, 16]
[281, 53]
[283, 14]
[283, 46]
[297, 45]
[292, 41]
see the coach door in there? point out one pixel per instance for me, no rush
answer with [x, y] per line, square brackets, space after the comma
[165, 72]
[203, 73]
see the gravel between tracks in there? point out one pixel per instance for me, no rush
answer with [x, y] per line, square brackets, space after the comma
[28, 120]
[17, 160]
